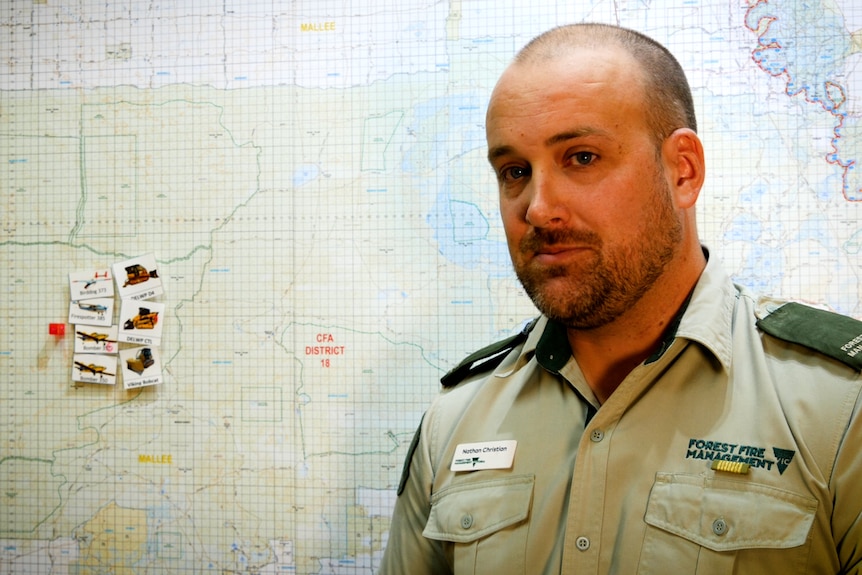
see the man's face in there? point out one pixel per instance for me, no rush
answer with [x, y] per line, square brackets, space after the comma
[588, 213]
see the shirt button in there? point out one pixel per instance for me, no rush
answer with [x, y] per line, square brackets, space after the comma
[466, 521]
[582, 543]
[597, 435]
[719, 526]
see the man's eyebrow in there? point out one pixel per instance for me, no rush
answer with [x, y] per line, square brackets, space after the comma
[573, 135]
[498, 151]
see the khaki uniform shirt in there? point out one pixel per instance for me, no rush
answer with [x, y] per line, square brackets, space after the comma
[628, 486]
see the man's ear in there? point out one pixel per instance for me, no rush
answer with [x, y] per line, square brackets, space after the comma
[685, 166]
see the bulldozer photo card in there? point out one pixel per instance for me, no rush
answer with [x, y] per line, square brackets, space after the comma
[138, 278]
[141, 322]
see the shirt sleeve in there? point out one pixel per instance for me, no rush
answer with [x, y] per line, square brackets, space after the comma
[407, 551]
[847, 489]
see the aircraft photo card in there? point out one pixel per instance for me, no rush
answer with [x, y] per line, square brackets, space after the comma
[94, 368]
[89, 285]
[94, 312]
[96, 339]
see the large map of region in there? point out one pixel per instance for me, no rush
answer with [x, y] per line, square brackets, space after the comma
[308, 184]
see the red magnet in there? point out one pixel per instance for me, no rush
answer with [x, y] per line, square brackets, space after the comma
[57, 329]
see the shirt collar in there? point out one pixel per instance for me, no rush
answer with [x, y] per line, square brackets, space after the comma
[708, 319]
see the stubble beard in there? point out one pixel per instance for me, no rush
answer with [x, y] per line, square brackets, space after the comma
[596, 292]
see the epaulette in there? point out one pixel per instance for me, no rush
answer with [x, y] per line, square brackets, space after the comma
[832, 334]
[486, 358]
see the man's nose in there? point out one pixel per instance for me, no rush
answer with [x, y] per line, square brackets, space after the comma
[547, 207]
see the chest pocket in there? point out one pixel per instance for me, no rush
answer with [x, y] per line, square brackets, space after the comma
[705, 526]
[485, 522]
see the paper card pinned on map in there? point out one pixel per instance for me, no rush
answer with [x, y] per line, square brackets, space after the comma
[94, 368]
[89, 285]
[138, 278]
[95, 339]
[141, 322]
[97, 312]
[141, 367]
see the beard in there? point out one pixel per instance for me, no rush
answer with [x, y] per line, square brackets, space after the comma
[599, 289]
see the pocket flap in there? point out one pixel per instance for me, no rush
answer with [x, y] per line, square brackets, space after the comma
[724, 515]
[469, 511]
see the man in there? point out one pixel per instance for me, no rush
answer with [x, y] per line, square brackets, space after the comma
[655, 418]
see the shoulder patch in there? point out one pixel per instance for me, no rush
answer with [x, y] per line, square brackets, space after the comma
[835, 335]
[486, 358]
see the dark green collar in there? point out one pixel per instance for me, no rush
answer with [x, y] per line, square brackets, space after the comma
[553, 350]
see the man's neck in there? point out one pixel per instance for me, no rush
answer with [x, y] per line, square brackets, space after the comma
[606, 355]
[606, 361]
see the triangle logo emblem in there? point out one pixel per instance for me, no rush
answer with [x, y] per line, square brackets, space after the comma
[783, 457]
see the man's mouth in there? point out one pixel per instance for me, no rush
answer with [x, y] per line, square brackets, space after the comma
[557, 254]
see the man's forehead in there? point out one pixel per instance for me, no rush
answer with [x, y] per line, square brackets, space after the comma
[585, 64]
[581, 81]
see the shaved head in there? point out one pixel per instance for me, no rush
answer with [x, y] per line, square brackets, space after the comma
[667, 96]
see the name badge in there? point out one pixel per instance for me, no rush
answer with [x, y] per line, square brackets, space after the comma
[484, 455]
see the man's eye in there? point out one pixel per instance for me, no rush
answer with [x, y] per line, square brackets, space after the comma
[514, 173]
[583, 158]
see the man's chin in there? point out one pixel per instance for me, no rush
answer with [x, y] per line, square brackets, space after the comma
[541, 275]
[564, 301]
[546, 280]
[554, 295]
